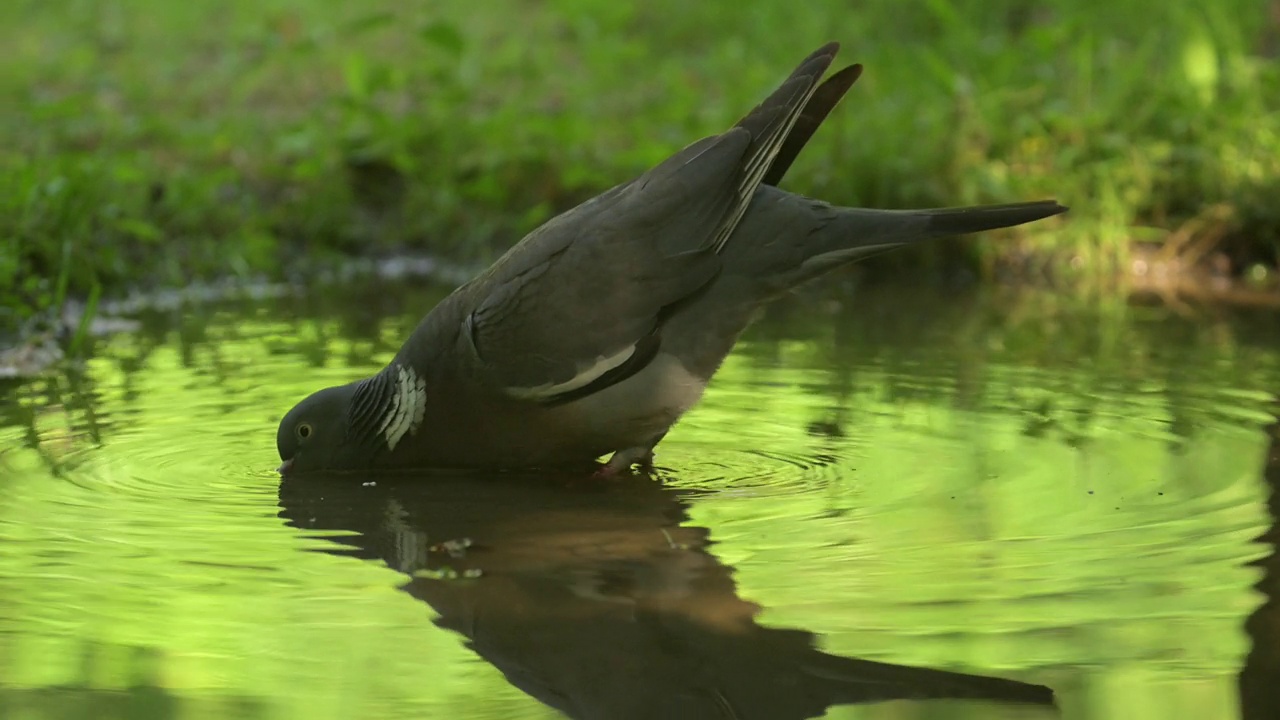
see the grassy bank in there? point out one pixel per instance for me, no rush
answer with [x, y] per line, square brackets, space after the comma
[157, 142]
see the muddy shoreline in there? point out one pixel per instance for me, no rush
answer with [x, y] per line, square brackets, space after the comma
[49, 338]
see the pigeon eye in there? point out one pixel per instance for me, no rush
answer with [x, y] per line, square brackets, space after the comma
[304, 431]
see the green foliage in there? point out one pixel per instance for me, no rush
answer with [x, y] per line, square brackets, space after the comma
[159, 142]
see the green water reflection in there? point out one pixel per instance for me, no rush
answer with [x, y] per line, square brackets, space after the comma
[1058, 491]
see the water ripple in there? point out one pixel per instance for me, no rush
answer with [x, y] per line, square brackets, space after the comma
[926, 495]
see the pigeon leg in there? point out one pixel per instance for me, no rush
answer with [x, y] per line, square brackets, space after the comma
[622, 461]
[641, 455]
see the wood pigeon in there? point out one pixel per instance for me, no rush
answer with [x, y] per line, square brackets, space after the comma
[598, 330]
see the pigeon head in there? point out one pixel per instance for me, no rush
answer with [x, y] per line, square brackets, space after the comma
[347, 427]
[312, 436]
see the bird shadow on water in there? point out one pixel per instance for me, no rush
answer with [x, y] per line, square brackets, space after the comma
[599, 600]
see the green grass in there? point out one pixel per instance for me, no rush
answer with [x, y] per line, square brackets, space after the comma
[158, 142]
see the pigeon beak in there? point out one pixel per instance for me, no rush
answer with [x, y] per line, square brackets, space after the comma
[284, 466]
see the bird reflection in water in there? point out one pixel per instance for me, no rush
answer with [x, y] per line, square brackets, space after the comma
[599, 601]
[1260, 678]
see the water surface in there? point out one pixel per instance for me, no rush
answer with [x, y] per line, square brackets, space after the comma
[889, 498]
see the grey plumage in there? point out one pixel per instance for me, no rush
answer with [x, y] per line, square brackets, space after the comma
[599, 329]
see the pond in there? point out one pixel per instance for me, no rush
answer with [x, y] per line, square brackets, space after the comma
[893, 503]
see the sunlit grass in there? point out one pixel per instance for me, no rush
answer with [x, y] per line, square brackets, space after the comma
[159, 141]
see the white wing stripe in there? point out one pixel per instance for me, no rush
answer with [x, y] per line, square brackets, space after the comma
[602, 365]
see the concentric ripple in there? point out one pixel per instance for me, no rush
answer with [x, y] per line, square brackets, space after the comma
[951, 489]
